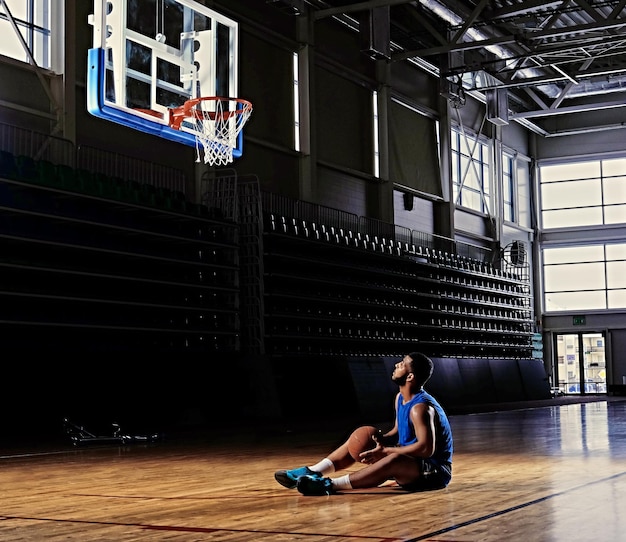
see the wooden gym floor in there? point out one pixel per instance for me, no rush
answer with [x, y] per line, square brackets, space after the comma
[543, 474]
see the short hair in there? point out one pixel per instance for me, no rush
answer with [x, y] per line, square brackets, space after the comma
[422, 367]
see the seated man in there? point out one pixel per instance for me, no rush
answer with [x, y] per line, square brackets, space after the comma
[416, 452]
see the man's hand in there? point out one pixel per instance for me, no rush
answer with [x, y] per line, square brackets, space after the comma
[375, 454]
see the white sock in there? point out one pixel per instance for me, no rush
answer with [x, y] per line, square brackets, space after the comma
[343, 482]
[325, 466]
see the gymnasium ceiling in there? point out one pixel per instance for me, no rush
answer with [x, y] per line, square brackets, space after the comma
[560, 63]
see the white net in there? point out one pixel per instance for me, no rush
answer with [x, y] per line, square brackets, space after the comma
[217, 123]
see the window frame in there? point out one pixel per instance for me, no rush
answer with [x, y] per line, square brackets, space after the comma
[510, 179]
[608, 291]
[479, 164]
[41, 28]
[597, 209]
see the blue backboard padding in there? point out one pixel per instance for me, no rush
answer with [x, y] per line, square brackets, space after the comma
[96, 105]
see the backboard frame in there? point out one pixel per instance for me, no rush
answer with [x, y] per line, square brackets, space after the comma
[199, 59]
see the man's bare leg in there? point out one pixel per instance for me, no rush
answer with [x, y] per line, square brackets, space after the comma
[394, 466]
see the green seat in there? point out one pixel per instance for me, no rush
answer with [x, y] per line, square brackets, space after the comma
[147, 194]
[129, 191]
[178, 201]
[27, 168]
[112, 187]
[48, 173]
[88, 182]
[65, 176]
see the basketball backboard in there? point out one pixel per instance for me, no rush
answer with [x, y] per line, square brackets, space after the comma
[149, 56]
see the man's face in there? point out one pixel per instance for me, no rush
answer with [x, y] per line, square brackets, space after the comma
[401, 370]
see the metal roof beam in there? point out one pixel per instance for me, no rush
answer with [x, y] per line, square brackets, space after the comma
[524, 8]
[359, 6]
[596, 106]
[513, 38]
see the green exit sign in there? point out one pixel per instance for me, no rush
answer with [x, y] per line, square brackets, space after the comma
[579, 321]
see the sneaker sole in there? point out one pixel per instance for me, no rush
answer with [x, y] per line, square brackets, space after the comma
[305, 488]
[284, 480]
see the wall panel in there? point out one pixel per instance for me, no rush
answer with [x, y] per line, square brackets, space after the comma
[345, 124]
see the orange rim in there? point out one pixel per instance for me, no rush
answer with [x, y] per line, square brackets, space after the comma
[177, 114]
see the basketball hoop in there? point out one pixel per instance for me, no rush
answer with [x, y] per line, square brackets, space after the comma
[216, 123]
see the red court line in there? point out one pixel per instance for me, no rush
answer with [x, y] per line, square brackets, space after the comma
[177, 528]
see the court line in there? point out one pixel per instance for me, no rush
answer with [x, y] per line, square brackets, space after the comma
[207, 530]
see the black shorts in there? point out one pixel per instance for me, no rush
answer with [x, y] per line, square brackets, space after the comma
[434, 476]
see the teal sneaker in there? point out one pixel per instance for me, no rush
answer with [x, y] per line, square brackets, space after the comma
[289, 478]
[315, 485]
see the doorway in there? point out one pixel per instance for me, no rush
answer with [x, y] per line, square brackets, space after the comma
[581, 363]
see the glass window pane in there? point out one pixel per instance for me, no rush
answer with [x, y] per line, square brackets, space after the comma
[507, 164]
[471, 199]
[616, 274]
[563, 172]
[508, 191]
[506, 188]
[615, 190]
[523, 194]
[616, 252]
[572, 217]
[616, 299]
[10, 44]
[567, 301]
[614, 167]
[615, 214]
[594, 253]
[582, 276]
[18, 8]
[466, 146]
[571, 194]
[41, 49]
[485, 179]
[471, 180]
[41, 17]
[508, 213]
[464, 166]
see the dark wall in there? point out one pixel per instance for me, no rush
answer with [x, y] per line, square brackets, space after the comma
[146, 394]
[143, 393]
[360, 389]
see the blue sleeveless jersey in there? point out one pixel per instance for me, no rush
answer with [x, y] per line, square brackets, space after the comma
[443, 431]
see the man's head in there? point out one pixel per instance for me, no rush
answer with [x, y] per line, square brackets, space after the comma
[415, 367]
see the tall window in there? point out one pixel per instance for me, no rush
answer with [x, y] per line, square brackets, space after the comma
[508, 187]
[470, 172]
[576, 196]
[376, 135]
[588, 193]
[585, 277]
[296, 102]
[33, 21]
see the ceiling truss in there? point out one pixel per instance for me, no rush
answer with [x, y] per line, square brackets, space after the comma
[555, 58]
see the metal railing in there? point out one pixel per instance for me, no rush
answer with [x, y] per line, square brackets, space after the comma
[36, 145]
[311, 212]
[114, 164]
[39, 146]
